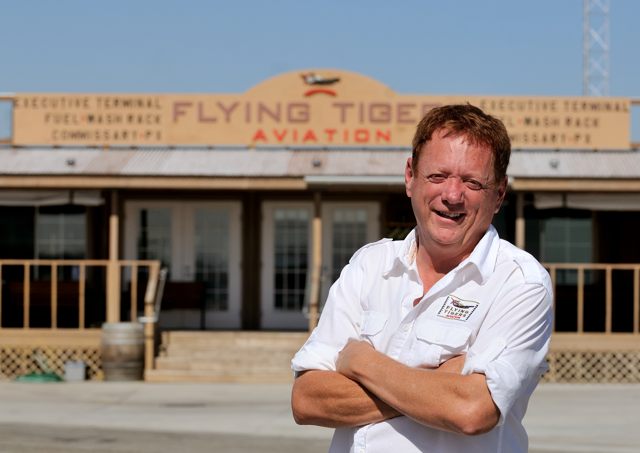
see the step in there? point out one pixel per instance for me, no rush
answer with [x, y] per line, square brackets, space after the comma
[209, 376]
[226, 356]
[229, 353]
[228, 339]
[240, 346]
[274, 361]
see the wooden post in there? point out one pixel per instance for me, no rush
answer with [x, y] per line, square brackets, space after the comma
[520, 225]
[580, 299]
[150, 316]
[636, 299]
[81, 296]
[26, 296]
[0, 296]
[134, 291]
[608, 300]
[54, 295]
[316, 262]
[113, 269]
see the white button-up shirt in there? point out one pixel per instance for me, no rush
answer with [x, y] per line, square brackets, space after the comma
[495, 306]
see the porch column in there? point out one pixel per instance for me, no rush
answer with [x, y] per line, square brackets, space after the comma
[520, 228]
[113, 270]
[316, 263]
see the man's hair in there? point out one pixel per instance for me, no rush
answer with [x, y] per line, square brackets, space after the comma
[472, 123]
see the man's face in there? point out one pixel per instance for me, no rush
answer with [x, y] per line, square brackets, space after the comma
[453, 194]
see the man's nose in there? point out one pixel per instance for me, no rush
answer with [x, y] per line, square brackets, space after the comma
[453, 190]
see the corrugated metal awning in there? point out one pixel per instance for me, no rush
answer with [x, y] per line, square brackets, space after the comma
[283, 168]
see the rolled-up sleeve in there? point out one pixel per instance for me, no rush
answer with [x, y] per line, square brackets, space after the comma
[339, 322]
[511, 347]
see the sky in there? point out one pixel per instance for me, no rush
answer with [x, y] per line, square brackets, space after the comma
[477, 47]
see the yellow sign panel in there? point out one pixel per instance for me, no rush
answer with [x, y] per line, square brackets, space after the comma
[307, 108]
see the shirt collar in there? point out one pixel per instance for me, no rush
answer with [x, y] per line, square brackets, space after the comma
[406, 258]
[483, 257]
[485, 254]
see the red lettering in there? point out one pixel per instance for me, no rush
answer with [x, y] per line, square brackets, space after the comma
[361, 135]
[259, 135]
[380, 136]
[330, 133]
[280, 135]
[309, 136]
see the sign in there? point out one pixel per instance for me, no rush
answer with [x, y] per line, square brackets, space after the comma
[306, 108]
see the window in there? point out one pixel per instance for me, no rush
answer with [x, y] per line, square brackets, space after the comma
[567, 240]
[349, 234]
[60, 234]
[212, 255]
[291, 227]
[154, 236]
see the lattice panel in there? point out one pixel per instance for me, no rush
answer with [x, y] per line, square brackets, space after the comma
[592, 367]
[20, 360]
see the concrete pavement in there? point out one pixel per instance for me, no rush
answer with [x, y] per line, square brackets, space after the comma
[101, 417]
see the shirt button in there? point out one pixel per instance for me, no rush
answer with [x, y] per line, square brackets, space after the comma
[406, 328]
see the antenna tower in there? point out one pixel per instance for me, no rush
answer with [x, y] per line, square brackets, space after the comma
[595, 48]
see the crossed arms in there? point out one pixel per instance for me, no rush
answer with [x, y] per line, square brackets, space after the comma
[369, 387]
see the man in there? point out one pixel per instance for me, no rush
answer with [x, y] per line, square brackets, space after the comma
[434, 343]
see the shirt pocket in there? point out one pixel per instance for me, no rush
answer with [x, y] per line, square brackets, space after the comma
[373, 323]
[437, 342]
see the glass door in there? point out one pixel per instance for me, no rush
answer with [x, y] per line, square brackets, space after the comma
[215, 257]
[346, 228]
[286, 254]
[199, 243]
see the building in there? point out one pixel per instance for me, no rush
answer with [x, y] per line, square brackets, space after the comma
[255, 201]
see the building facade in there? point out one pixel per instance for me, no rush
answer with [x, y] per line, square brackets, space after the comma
[254, 202]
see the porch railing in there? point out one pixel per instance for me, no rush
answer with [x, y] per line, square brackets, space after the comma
[588, 348]
[610, 290]
[36, 338]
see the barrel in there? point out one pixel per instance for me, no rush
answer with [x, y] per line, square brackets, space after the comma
[122, 349]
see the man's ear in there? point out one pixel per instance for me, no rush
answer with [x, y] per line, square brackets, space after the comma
[408, 176]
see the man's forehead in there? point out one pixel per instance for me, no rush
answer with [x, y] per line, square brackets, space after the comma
[465, 137]
[456, 138]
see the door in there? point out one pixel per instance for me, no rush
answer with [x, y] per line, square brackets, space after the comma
[347, 227]
[199, 242]
[286, 254]
[286, 259]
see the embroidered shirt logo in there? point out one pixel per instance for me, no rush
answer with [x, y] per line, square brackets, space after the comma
[457, 309]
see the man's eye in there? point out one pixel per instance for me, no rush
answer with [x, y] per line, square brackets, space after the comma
[436, 179]
[473, 184]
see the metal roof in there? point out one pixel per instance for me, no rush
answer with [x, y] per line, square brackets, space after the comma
[575, 164]
[281, 162]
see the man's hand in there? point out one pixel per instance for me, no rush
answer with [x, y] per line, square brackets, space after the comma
[453, 365]
[353, 353]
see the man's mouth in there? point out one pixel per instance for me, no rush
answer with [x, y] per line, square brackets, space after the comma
[450, 215]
